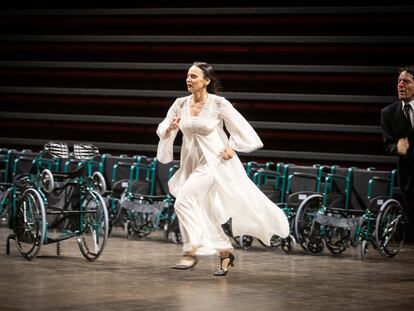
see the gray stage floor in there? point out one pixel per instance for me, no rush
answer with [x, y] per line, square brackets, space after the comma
[135, 275]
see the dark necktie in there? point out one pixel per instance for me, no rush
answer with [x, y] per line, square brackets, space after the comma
[407, 109]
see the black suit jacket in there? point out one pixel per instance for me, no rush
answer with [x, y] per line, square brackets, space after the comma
[394, 126]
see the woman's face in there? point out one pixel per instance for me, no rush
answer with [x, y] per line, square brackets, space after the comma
[195, 80]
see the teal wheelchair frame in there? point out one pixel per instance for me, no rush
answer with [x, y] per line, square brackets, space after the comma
[356, 209]
[146, 211]
[53, 205]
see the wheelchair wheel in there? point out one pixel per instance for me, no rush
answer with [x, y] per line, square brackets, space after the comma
[304, 219]
[139, 225]
[98, 182]
[94, 225]
[337, 240]
[363, 250]
[47, 181]
[5, 203]
[287, 244]
[30, 223]
[172, 229]
[176, 237]
[390, 228]
[315, 245]
[275, 241]
[244, 241]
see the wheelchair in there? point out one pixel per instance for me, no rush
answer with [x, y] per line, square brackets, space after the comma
[356, 209]
[117, 170]
[286, 185]
[14, 165]
[147, 211]
[5, 185]
[53, 205]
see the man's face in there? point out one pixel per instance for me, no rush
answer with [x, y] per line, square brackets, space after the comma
[405, 86]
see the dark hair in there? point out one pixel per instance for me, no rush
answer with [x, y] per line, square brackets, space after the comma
[214, 86]
[409, 69]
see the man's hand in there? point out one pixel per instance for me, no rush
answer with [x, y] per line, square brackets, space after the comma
[402, 146]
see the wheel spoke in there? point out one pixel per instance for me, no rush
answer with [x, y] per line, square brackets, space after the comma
[29, 224]
[94, 225]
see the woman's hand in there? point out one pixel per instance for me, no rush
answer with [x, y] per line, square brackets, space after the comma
[173, 125]
[227, 153]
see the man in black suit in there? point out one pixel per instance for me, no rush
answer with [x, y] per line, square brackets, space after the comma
[397, 122]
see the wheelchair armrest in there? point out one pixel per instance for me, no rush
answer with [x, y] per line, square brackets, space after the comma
[150, 198]
[141, 165]
[375, 203]
[268, 173]
[25, 158]
[335, 176]
[305, 175]
[124, 164]
[297, 197]
[380, 179]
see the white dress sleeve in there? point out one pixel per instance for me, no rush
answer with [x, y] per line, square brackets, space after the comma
[243, 137]
[165, 150]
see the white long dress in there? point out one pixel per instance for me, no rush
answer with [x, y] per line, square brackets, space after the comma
[232, 195]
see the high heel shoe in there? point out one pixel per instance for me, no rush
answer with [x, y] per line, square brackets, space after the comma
[223, 270]
[181, 266]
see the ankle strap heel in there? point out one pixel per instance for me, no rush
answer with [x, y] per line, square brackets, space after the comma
[222, 271]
